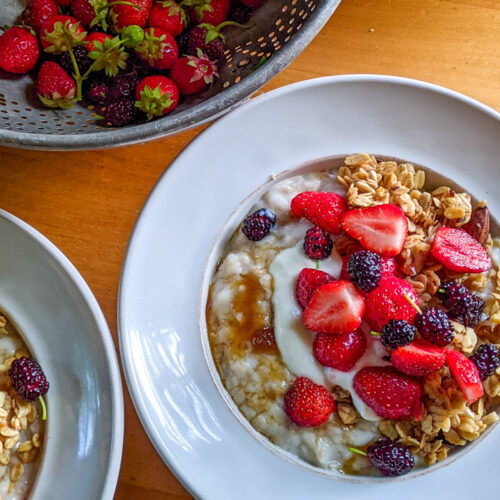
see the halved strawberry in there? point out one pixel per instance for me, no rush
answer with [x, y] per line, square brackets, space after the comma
[308, 404]
[388, 301]
[466, 374]
[336, 307]
[381, 229]
[388, 393]
[308, 282]
[322, 209]
[459, 251]
[418, 358]
[339, 350]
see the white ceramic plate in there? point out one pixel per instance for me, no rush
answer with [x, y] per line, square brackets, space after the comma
[185, 416]
[60, 320]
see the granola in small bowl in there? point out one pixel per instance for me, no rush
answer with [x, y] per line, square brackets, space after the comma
[353, 317]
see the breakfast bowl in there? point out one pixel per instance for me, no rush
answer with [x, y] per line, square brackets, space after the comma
[49, 314]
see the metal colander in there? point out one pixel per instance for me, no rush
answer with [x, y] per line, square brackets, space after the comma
[281, 30]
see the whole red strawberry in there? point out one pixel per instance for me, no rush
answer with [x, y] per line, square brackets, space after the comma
[60, 33]
[321, 209]
[85, 11]
[418, 358]
[308, 404]
[156, 96]
[56, 89]
[208, 11]
[193, 74]
[158, 49]
[388, 393]
[37, 12]
[339, 350]
[126, 15]
[168, 16]
[388, 301]
[253, 4]
[19, 50]
[308, 281]
[96, 36]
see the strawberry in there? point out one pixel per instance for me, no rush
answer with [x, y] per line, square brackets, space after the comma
[206, 38]
[193, 74]
[168, 16]
[60, 33]
[339, 350]
[308, 404]
[158, 49]
[84, 11]
[56, 89]
[126, 15]
[459, 251]
[253, 4]
[388, 393]
[466, 374]
[308, 282]
[381, 229]
[37, 12]
[208, 11]
[387, 264]
[388, 301]
[336, 307]
[321, 209]
[96, 36]
[418, 358]
[19, 50]
[156, 96]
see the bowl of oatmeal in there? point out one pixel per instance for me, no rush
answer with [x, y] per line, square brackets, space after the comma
[280, 311]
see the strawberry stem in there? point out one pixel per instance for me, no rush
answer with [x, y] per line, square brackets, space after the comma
[375, 333]
[44, 408]
[412, 302]
[317, 264]
[441, 290]
[78, 76]
[358, 452]
[122, 2]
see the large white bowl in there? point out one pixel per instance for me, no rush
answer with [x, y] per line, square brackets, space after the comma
[60, 320]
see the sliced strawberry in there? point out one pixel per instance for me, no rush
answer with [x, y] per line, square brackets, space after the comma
[388, 393]
[459, 251]
[308, 404]
[322, 209]
[387, 264]
[339, 350]
[308, 282]
[418, 358]
[381, 229]
[466, 374]
[388, 301]
[336, 307]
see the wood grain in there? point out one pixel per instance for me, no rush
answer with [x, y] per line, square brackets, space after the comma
[87, 203]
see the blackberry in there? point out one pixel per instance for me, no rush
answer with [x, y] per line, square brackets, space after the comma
[182, 42]
[397, 333]
[98, 92]
[197, 40]
[123, 86]
[28, 379]
[390, 457]
[434, 326]
[258, 225]
[82, 60]
[317, 243]
[364, 269]
[486, 359]
[239, 13]
[118, 113]
[463, 306]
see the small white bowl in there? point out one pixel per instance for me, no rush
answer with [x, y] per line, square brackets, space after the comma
[55, 312]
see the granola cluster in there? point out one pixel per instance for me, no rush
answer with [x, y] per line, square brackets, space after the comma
[447, 419]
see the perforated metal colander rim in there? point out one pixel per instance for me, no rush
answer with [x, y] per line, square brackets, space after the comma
[208, 110]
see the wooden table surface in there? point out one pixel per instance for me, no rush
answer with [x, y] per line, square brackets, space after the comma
[87, 202]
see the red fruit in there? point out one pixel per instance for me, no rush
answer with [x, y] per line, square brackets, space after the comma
[156, 96]
[63, 3]
[308, 404]
[388, 301]
[387, 264]
[308, 282]
[159, 48]
[336, 307]
[37, 12]
[322, 209]
[59, 33]
[96, 37]
[168, 16]
[209, 11]
[339, 350]
[125, 15]
[388, 393]
[418, 358]
[56, 89]
[206, 38]
[84, 11]
[459, 251]
[19, 50]
[381, 229]
[193, 74]
[253, 4]
[466, 374]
